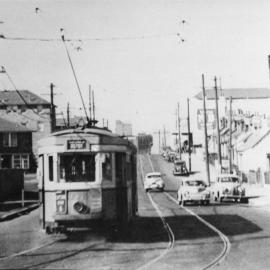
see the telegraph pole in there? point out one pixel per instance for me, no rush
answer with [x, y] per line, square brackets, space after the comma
[205, 134]
[68, 115]
[189, 134]
[53, 120]
[217, 123]
[164, 136]
[159, 142]
[179, 135]
[230, 138]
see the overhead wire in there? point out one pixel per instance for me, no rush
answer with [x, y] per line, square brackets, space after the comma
[20, 95]
[92, 39]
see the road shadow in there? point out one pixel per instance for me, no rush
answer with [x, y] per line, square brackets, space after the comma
[151, 229]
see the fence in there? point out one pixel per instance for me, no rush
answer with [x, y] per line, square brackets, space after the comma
[11, 184]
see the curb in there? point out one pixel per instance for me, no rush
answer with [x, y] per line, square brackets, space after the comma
[18, 212]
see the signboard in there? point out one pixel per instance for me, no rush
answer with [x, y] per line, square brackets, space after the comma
[76, 144]
[210, 119]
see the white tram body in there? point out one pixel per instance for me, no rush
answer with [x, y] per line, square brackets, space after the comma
[86, 176]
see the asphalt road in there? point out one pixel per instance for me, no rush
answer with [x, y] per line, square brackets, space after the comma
[163, 236]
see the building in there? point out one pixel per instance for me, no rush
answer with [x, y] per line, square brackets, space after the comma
[123, 129]
[16, 146]
[26, 109]
[250, 125]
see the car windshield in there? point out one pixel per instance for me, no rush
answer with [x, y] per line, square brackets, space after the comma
[195, 183]
[229, 179]
[154, 176]
[179, 163]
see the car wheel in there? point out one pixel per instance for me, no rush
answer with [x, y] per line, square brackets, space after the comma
[244, 200]
[180, 200]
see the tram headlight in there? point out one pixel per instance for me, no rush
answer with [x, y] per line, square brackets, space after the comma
[81, 208]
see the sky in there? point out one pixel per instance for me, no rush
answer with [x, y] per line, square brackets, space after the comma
[131, 54]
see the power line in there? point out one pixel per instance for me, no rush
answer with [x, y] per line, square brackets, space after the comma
[19, 94]
[115, 38]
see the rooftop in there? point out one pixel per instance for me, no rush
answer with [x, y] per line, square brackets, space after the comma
[237, 93]
[12, 97]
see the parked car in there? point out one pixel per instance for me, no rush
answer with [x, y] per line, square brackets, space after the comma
[180, 167]
[154, 181]
[229, 186]
[193, 190]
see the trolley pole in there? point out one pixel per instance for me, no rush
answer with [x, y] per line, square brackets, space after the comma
[189, 134]
[217, 123]
[205, 134]
[179, 134]
[230, 137]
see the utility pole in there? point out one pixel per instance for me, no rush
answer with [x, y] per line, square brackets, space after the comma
[217, 124]
[205, 134]
[90, 110]
[164, 136]
[94, 116]
[189, 135]
[68, 115]
[179, 134]
[159, 142]
[230, 137]
[52, 114]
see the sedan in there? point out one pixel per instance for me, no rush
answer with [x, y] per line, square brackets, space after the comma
[153, 181]
[193, 190]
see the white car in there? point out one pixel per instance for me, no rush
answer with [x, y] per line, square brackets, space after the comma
[193, 190]
[153, 181]
[229, 186]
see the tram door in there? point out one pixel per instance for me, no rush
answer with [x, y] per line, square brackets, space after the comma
[121, 188]
[41, 189]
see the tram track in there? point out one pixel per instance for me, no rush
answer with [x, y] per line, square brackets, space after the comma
[226, 242]
[166, 226]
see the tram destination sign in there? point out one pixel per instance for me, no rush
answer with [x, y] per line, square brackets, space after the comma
[76, 144]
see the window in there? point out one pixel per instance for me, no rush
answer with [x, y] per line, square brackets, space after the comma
[5, 161]
[77, 167]
[10, 139]
[20, 161]
[50, 168]
[106, 166]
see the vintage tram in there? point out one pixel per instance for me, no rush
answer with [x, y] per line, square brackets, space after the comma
[87, 176]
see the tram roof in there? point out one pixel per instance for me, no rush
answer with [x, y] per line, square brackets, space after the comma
[106, 136]
[96, 131]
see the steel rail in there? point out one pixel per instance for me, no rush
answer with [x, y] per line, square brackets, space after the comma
[227, 245]
[165, 225]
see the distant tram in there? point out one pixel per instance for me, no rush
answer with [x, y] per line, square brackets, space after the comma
[86, 177]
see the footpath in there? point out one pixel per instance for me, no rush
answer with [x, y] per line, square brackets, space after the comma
[259, 195]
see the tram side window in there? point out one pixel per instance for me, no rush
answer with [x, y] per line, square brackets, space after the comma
[77, 167]
[50, 168]
[106, 166]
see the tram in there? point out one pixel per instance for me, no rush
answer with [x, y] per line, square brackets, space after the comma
[86, 177]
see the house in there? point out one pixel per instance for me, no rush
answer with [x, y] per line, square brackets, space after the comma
[26, 109]
[249, 107]
[16, 147]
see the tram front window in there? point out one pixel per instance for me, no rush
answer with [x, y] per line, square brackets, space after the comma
[77, 167]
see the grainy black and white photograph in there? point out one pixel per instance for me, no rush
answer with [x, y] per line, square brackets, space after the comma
[135, 134]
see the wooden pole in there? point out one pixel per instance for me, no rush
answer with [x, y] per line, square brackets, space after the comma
[217, 124]
[189, 141]
[205, 134]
